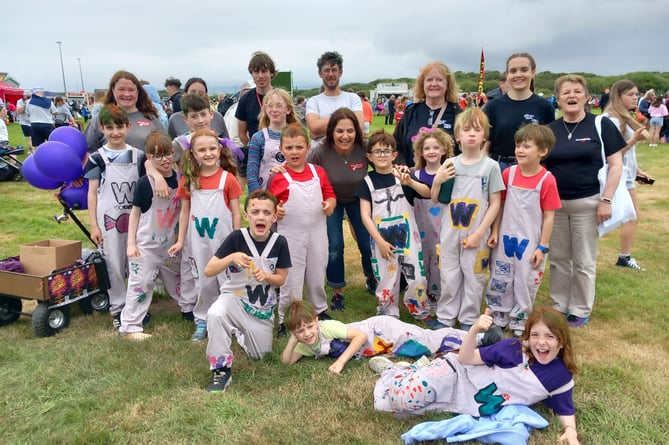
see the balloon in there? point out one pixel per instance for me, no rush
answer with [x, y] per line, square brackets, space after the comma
[58, 161]
[76, 197]
[35, 177]
[73, 138]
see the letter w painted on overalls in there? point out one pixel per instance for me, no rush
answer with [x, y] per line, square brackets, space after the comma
[123, 192]
[259, 292]
[167, 218]
[462, 214]
[203, 227]
[490, 403]
[512, 247]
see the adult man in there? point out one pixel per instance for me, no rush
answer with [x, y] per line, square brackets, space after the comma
[262, 69]
[320, 107]
[24, 117]
[173, 88]
[501, 90]
[41, 111]
[229, 117]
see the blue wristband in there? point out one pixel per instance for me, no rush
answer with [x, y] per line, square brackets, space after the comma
[543, 249]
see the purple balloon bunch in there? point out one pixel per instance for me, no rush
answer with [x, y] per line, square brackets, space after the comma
[57, 163]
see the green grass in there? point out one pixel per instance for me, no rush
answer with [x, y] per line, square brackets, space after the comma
[87, 386]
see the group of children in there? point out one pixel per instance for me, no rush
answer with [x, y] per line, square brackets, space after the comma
[229, 279]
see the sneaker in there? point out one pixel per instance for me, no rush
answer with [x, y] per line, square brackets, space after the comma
[147, 319]
[379, 363]
[219, 381]
[188, 316]
[371, 285]
[116, 321]
[337, 302]
[324, 316]
[200, 333]
[421, 362]
[628, 261]
[577, 322]
[434, 324]
[493, 335]
[135, 336]
[281, 332]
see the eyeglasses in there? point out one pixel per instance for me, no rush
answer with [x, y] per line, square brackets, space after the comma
[275, 106]
[162, 156]
[386, 152]
[329, 70]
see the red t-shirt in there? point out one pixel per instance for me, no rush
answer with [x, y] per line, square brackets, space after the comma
[279, 186]
[231, 188]
[550, 199]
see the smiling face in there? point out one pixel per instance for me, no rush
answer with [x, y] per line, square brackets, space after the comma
[126, 95]
[276, 109]
[529, 154]
[543, 344]
[206, 151]
[307, 333]
[260, 214]
[382, 156]
[162, 162]
[295, 150]
[344, 135]
[435, 85]
[520, 74]
[115, 135]
[433, 152]
[262, 79]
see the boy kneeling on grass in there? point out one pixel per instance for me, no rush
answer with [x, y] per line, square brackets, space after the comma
[257, 262]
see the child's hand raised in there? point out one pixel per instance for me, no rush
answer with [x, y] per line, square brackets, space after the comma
[446, 172]
[484, 322]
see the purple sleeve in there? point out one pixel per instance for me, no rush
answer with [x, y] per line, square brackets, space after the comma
[505, 354]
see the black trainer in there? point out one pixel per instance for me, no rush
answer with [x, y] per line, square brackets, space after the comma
[116, 321]
[281, 332]
[220, 380]
[371, 284]
[147, 319]
[337, 302]
[188, 316]
[324, 316]
[493, 335]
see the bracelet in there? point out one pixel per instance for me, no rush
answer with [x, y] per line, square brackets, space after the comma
[606, 200]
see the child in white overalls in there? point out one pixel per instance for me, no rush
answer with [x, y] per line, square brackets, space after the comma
[306, 199]
[432, 146]
[256, 261]
[522, 231]
[475, 202]
[386, 197]
[278, 110]
[151, 231]
[209, 194]
[112, 173]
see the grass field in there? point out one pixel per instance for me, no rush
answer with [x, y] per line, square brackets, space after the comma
[87, 386]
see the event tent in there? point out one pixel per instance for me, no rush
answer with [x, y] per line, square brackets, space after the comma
[10, 94]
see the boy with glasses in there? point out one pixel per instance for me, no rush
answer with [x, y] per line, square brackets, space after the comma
[386, 206]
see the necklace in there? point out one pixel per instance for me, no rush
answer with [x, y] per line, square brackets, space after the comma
[345, 159]
[569, 133]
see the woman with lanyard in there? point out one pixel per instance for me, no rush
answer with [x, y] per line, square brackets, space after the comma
[343, 158]
[435, 105]
[574, 161]
[516, 108]
[127, 92]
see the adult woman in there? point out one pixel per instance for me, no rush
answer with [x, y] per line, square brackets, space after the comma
[41, 109]
[435, 105]
[343, 158]
[622, 101]
[575, 161]
[658, 113]
[517, 107]
[127, 92]
[177, 126]
[62, 116]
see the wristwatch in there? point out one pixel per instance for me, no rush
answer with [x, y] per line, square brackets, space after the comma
[606, 200]
[543, 249]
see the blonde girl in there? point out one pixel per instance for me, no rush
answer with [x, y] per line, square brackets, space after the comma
[209, 194]
[622, 102]
[431, 147]
[278, 110]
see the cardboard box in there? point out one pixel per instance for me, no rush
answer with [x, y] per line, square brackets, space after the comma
[43, 257]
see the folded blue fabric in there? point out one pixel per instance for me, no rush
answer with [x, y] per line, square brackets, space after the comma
[512, 425]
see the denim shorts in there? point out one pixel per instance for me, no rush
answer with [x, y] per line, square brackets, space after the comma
[656, 121]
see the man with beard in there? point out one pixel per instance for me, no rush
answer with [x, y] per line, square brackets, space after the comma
[320, 107]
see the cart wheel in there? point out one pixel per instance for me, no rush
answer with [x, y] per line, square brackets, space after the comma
[10, 309]
[97, 303]
[48, 321]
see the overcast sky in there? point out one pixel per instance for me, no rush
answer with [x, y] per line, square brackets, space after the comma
[378, 39]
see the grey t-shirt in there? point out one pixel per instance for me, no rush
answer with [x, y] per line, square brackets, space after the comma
[344, 172]
[140, 128]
